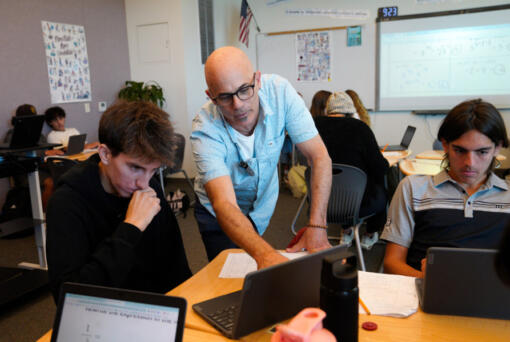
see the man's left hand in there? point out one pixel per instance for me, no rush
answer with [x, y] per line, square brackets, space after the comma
[310, 239]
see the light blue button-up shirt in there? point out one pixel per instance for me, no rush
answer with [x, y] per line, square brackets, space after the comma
[216, 151]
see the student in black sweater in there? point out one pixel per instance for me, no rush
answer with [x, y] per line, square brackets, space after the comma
[350, 141]
[108, 222]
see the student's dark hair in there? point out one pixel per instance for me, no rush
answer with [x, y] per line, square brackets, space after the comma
[54, 113]
[25, 109]
[474, 114]
[139, 129]
[319, 101]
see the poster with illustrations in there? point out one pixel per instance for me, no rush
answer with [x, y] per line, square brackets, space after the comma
[313, 54]
[67, 61]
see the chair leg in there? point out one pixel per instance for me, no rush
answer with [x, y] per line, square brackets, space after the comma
[358, 247]
[191, 186]
[293, 224]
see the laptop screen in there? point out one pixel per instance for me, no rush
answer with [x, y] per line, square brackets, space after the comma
[408, 136]
[90, 318]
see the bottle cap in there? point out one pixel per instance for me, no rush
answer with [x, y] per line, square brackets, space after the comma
[339, 272]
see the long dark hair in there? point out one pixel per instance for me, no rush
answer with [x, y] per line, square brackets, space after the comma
[319, 101]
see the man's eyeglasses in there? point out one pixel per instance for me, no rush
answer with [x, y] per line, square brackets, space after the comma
[244, 93]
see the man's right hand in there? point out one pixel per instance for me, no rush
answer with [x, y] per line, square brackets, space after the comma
[144, 205]
[270, 259]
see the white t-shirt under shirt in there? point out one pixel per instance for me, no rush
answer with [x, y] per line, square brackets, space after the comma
[61, 137]
[246, 145]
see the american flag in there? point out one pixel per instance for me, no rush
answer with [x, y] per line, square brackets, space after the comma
[244, 26]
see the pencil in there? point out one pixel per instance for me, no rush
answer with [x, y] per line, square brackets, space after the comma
[364, 306]
[384, 148]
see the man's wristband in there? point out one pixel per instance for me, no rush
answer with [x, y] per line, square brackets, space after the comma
[310, 225]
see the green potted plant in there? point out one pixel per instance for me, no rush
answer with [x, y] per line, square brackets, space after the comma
[145, 91]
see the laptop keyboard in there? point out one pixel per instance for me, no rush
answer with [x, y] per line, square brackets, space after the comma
[225, 317]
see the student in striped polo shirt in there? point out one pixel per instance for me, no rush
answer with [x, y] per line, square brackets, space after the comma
[465, 205]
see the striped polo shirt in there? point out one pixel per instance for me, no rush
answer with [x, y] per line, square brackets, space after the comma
[435, 210]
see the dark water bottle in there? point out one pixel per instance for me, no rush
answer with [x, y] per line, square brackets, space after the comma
[339, 296]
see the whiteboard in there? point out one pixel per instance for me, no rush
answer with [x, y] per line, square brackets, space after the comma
[436, 61]
[352, 67]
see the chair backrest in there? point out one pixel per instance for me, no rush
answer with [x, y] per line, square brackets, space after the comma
[347, 189]
[58, 166]
[180, 143]
[437, 145]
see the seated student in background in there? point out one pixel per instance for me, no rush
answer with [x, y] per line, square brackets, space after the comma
[21, 180]
[350, 141]
[55, 117]
[108, 222]
[465, 205]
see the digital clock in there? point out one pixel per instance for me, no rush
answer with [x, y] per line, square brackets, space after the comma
[387, 12]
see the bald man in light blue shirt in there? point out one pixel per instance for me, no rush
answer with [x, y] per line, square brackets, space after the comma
[237, 138]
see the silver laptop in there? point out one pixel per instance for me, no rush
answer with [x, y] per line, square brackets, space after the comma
[268, 296]
[95, 313]
[463, 282]
[406, 140]
[76, 144]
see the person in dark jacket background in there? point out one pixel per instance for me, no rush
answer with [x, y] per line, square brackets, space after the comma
[350, 141]
[108, 222]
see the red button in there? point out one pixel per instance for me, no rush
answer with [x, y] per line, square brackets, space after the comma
[369, 326]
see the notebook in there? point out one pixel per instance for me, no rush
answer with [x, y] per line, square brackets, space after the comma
[76, 144]
[406, 141]
[26, 132]
[269, 295]
[463, 282]
[95, 313]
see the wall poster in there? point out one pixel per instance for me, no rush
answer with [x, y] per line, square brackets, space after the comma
[313, 54]
[67, 61]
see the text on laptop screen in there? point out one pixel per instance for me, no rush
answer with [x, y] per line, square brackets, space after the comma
[87, 318]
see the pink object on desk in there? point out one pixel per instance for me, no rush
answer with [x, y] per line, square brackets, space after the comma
[306, 326]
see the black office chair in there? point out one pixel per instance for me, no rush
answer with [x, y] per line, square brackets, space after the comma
[347, 189]
[164, 173]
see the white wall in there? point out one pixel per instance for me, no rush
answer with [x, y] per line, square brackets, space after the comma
[181, 75]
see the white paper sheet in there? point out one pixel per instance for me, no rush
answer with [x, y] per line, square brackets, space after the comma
[238, 265]
[387, 294]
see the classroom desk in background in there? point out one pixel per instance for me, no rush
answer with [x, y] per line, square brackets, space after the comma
[439, 155]
[427, 167]
[393, 157]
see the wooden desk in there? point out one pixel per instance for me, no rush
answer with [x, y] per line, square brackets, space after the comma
[79, 156]
[190, 335]
[420, 166]
[419, 327]
[393, 157]
[439, 155]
